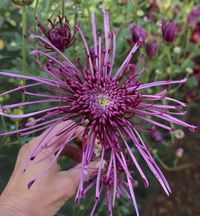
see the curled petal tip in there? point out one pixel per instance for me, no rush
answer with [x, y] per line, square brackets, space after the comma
[97, 198]
[33, 52]
[184, 80]
[192, 128]
[140, 41]
[30, 184]
[103, 11]
[146, 183]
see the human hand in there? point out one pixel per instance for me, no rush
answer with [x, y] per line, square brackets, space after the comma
[48, 194]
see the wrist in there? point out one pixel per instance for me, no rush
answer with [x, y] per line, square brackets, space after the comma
[9, 207]
[10, 211]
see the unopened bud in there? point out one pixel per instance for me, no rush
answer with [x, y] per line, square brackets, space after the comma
[177, 50]
[138, 33]
[179, 134]
[151, 49]
[2, 43]
[189, 70]
[22, 2]
[168, 70]
[157, 71]
[140, 13]
[179, 152]
[169, 30]
[16, 112]
[8, 111]
[31, 119]
[21, 82]
[81, 207]
[6, 97]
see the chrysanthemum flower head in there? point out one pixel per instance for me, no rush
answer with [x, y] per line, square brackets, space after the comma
[59, 34]
[111, 105]
[169, 30]
[152, 49]
[137, 33]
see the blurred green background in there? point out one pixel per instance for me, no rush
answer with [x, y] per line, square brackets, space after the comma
[178, 153]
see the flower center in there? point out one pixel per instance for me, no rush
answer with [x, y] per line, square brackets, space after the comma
[104, 100]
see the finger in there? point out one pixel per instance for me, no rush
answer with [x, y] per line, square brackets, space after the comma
[68, 181]
[73, 152]
[50, 136]
[50, 140]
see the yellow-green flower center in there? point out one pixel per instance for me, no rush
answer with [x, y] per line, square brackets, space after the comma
[103, 101]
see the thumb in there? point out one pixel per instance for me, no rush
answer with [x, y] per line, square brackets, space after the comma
[69, 180]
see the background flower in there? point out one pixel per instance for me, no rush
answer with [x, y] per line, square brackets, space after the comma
[169, 30]
[59, 34]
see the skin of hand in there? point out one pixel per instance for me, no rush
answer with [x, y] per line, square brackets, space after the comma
[48, 194]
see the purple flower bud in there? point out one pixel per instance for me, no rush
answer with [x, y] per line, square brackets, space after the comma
[138, 33]
[152, 10]
[195, 37]
[151, 49]
[156, 135]
[132, 68]
[169, 30]
[179, 134]
[193, 15]
[179, 152]
[59, 34]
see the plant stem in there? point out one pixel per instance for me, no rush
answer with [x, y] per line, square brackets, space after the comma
[35, 13]
[172, 126]
[170, 61]
[63, 7]
[170, 77]
[165, 166]
[188, 35]
[5, 129]
[24, 48]
[4, 124]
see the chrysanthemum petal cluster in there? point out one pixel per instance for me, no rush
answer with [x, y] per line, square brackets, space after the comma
[111, 105]
[59, 34]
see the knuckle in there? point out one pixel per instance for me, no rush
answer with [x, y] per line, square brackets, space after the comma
[71, 187]
[24, 149]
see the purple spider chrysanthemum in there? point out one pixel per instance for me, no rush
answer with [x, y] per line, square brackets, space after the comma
[108, 105]
[59, 34]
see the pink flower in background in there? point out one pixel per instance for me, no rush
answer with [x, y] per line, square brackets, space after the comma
[156, 135]
[108, 101]
[193, 15]
[179, 152]
[153, 10]
[195, 37]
